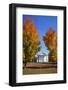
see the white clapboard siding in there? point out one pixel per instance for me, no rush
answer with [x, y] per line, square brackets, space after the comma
[42, 58]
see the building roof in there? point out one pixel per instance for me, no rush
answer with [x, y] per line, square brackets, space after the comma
[41, 54]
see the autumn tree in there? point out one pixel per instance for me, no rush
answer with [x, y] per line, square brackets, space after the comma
[50, 40]
[31, 41]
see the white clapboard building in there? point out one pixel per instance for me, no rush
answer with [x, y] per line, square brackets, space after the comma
[41, 58]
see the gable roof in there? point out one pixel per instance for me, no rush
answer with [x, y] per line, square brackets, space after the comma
[40, 54]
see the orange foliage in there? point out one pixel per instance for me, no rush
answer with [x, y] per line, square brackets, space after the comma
[50, 39]
[31, 40]
[30, 27]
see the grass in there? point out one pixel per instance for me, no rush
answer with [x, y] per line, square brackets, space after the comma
[30, 70]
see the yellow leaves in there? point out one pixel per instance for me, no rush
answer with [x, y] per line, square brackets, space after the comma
[31, 31]
[31, 40]
[50, 39]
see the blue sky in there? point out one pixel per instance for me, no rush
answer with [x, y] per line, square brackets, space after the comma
[42, 24]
